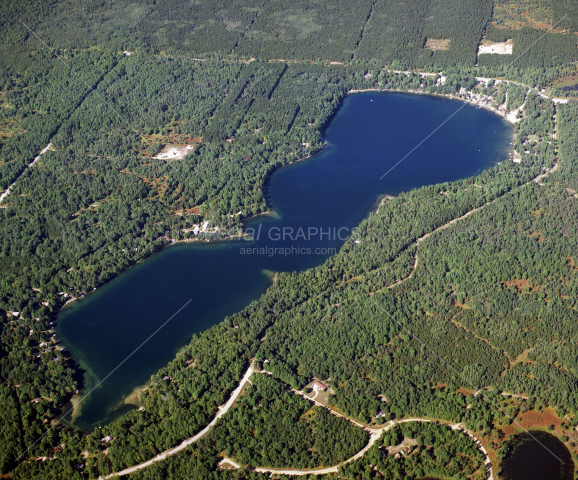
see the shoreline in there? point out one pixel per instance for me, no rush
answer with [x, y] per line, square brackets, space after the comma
[443, 95]
[75, 401]
[132, 398]
[70, 300]
[169, 244]
[382, 200]
[214, 240]
[128, 399]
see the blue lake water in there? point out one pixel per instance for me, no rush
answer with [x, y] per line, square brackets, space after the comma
[317, 202]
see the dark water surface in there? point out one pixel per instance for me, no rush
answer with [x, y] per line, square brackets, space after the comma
[335, 189]
[538, 455]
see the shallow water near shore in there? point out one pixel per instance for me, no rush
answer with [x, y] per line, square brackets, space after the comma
[325, 196]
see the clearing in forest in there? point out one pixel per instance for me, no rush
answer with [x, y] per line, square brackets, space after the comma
[437, 44]
[174, 152]
[522, 13]
[534, 419]
[519, 283]
[502, 48]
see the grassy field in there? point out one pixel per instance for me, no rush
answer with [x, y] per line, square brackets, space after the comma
[522, 13]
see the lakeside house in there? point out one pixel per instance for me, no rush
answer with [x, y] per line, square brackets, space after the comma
[319, 386]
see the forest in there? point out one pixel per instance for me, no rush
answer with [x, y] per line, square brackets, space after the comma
[382, 30]
[249, 88]
[538, 49]
[273, 426]
[97, 232]
[535, 13]
[435, 450]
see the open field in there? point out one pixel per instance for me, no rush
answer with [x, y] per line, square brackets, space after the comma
[497, 48]
[437, 44]
[174, 152]
[523, 13]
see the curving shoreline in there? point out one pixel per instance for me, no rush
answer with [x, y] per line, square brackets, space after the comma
[294, 161]
[374, 90]
[507, 116]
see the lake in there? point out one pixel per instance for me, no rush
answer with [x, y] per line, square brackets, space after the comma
[316, 202]
[537, 455]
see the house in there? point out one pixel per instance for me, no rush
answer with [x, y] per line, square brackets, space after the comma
[319, 386]
[108, 438]
[381, 413]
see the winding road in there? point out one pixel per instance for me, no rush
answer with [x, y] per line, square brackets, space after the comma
[374, 432]
[222, 410]
[374, 435]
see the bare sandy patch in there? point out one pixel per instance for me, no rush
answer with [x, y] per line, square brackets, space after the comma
[437, 44]
[403, 447]
[75, 401]
[533, 419]
[519, 283]
[522, 358]
[134, 397]
[232, 25]
[503, 48]
[174, 152]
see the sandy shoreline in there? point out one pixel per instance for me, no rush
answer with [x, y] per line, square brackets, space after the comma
[238, 236]
[78, 398]
[133, 398]
[75, 401]
[70, 300]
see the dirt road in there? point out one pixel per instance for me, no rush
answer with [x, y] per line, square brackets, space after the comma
[7, 192]
[222, 410]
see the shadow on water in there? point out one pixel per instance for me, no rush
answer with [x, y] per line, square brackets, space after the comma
[325, 196]
[537, 455]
